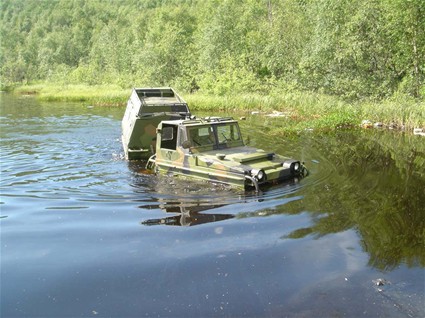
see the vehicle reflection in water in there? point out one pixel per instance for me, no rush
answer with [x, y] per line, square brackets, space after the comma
[184, 198]
[188, 214]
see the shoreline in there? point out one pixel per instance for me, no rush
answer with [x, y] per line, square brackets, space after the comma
[300, 110]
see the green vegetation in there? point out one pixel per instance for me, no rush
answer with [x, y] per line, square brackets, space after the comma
[327, 62]
[95, 94]
[299, 111]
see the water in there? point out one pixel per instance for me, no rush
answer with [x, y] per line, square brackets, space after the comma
[85, 233]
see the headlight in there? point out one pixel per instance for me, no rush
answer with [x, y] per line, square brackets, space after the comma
[259, 174]
[295, 166]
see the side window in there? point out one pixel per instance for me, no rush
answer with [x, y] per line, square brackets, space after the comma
[167, 133]
[169, 137]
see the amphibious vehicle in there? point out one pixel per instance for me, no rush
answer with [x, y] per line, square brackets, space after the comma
[158, 126]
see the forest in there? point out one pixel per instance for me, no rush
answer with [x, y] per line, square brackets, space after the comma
[353, 49]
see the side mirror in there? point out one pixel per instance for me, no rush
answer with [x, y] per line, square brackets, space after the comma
[186, 144]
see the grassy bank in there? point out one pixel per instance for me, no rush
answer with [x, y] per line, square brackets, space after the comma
[101, 95]
[298, 110]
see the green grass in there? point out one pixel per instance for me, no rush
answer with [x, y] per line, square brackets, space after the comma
[102, 95]
[315, 111]
[303, 110]
[403, 112]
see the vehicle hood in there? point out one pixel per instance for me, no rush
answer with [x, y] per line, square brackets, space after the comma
[238, 158]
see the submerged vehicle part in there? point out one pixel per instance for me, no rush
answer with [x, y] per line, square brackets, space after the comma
[158, 126]
[146, 108]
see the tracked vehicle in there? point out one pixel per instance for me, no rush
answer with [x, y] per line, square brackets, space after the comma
[158, 126]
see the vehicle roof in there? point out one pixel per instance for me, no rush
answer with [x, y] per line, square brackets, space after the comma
[201, 121]
[158, 96]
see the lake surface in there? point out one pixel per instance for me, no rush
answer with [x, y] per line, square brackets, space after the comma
[85, 233]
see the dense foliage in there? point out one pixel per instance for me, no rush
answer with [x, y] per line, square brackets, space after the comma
[350, 48]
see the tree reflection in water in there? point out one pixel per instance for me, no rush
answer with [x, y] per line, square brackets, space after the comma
[373, 182]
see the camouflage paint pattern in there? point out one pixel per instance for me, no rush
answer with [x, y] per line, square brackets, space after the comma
[224, 160]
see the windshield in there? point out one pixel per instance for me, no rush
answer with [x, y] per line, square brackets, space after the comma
[228, 132]
[202, 136]
[214, 135]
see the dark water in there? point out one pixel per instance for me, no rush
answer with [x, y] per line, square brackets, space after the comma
[84, 234]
